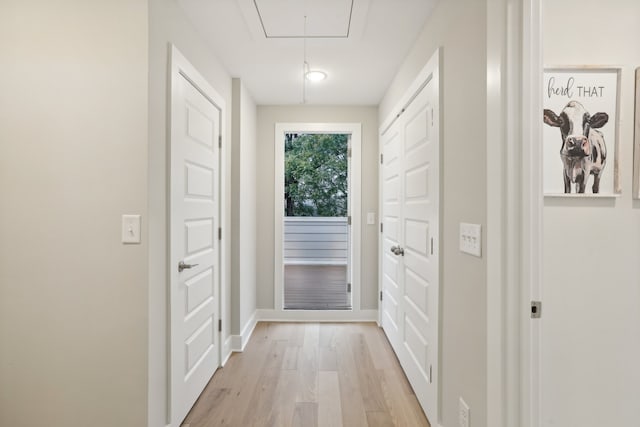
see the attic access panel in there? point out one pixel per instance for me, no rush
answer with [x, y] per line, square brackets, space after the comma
[285, 18]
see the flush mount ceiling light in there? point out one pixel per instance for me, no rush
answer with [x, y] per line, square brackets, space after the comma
[307, 72]
[315, 75]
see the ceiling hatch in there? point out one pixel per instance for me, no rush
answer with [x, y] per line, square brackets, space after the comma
[285, 18]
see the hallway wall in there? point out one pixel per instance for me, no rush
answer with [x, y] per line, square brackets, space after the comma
[268, 116]
[73, 159]
[459, 28]
[591, 286]
[243, 206]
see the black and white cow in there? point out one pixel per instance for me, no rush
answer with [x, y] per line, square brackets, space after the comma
[583, 149]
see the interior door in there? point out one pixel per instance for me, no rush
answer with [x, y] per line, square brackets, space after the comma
[194, 294]
[410, 265]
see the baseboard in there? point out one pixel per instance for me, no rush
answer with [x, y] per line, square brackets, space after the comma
[226, 351]
[239, 342]
[267, 315]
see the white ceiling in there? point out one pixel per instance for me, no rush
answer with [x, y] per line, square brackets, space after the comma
[359, 43]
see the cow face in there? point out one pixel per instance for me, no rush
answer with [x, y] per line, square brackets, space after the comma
[575, 124]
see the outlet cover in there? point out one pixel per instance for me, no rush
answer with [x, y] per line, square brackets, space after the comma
[463, 414]
[471, 239]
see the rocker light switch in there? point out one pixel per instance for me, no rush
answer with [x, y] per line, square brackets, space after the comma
[130, 228]
[471, 239]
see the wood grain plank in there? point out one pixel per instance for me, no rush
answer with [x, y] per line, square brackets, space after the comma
[305, 415]
[308, 361]
[370, 388]
[329, 405]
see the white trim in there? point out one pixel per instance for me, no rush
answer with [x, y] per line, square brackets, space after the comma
[514, 210]
[355, 196]
[239, 342]
[264, 315]
[226, 350]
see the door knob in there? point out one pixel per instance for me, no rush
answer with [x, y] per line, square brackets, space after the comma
[183, 266]
[397, 250]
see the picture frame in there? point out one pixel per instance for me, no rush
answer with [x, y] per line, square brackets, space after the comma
[580, 131]
[636, 144]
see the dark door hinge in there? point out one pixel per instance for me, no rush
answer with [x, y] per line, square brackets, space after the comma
[219, 325]
[381, 227]
[381, 158]
[380, 295]
[220, 233]
[348, 287]
[220, 141]
[349, 220]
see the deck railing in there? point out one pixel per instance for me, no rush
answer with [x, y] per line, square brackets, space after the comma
[316, 240]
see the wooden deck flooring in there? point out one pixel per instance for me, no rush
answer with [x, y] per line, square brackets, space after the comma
[316, 287]
[310, 374]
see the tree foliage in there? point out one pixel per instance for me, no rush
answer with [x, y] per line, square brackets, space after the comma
[315, 182]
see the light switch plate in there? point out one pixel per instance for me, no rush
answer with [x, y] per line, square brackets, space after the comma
[371, 218]
[130, 228]
[463, 414]
[471, 239]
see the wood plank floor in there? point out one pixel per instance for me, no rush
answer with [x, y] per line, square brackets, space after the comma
[310, 374]
[316, 287]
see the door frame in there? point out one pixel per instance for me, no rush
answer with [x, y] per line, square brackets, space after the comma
[180, 66]
[430, 72]
[355, 203]
[514, 211]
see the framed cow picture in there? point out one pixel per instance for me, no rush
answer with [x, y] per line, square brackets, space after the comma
[636, 146]
[580, 131]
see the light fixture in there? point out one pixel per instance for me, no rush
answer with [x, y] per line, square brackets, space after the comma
[307, 72]
[315, 75]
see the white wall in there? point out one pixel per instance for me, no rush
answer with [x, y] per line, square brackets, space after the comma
[243, 262]
[459, 27]
[268, 116]
[168, 24]
[591, 329]
[73, 159]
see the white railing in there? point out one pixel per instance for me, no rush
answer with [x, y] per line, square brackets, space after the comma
[316, 240]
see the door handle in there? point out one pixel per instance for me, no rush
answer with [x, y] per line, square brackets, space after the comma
[397, 250]
[183, 266]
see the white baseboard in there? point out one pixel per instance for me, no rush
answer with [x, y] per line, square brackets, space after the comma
[268, 315]
[226, 350]
[239, 342]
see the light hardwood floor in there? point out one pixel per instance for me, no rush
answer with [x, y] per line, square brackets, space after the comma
[310, 374]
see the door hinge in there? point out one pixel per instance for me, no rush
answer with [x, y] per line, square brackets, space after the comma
[432, 246]
[349, 220]
[348, 287]
[349, 152]
[432, 117]
[430, 374]
[381, 227]
[536, 309]
[380, 295]
[381, 158]
[220, 141]
[220, 233]
[219, 325]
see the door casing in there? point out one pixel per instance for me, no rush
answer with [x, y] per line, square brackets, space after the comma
[355, 197]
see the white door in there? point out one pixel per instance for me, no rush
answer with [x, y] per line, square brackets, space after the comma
[410, 265]
[194, 295]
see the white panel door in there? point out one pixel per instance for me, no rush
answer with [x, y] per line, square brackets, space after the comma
[194, 299]
[410, 266]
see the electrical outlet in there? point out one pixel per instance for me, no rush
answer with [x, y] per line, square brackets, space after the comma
[471, 239]
[463, 414]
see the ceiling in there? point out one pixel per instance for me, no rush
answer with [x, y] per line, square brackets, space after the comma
[359, 43]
